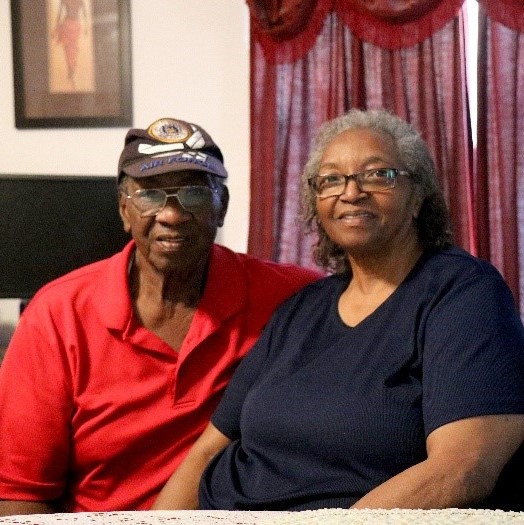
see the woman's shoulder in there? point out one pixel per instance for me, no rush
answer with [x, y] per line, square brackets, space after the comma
[455, 261]
[453, 273]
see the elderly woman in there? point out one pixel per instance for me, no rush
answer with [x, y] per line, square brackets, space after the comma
[396, 382]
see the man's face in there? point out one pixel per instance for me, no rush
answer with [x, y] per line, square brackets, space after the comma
[367, 222]
[175, 238]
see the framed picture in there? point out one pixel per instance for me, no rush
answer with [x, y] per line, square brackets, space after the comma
[72, 63]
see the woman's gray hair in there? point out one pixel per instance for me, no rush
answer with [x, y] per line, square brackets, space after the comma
[433, 222]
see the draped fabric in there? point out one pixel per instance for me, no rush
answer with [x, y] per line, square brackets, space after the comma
[509, 13]
[287, 29]
[294, 88]
[499, 189]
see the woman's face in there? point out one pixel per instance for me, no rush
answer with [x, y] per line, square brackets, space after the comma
[367, 223]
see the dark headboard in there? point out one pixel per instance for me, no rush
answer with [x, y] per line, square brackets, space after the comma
[52, 224]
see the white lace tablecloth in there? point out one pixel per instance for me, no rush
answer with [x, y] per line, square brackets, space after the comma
[320, 517]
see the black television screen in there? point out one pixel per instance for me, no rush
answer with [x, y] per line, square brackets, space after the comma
[51, 225]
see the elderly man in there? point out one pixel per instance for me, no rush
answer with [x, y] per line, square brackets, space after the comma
[115, 368]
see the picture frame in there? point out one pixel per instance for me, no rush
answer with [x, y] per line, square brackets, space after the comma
[72, 63]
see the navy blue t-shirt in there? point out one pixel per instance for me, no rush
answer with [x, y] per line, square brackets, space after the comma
[321, 413]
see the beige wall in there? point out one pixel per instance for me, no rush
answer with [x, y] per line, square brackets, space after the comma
[190, 60]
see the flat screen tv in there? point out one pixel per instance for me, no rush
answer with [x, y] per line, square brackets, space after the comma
[50, 225]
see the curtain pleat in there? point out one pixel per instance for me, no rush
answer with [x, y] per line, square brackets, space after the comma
[506, 12]
[264, 140]
[499, 189]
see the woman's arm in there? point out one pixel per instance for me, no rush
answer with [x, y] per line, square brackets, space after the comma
[181, 490]
[465, 459]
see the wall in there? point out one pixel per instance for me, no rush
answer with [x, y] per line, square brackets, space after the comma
[190, 60]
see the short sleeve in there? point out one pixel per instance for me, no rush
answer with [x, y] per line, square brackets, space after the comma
[473, 352]
[227, 415]
[34, 412]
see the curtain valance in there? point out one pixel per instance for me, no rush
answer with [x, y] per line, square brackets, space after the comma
[507, 12]
[287, 29]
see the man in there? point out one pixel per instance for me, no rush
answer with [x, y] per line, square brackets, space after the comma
[115, 368]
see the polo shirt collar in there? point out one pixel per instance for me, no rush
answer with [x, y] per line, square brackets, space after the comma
[225, 293]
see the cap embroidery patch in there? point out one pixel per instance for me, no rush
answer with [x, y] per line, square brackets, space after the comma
[191, 157]
[169, 130]
[170, 145]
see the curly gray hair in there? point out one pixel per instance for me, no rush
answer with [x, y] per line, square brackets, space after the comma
[433, 222]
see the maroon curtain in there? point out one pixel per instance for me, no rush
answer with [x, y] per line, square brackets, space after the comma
[499, 190]
[287, 29]
[509, 13]
[347, 55]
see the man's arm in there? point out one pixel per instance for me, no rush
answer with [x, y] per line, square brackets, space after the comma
[181, 491]
[465, 459]
[12, 507]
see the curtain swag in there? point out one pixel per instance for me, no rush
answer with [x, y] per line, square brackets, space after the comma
[506, 12]
[287, 29]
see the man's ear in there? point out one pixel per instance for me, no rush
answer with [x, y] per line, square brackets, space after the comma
[224, 202]
[123, 203]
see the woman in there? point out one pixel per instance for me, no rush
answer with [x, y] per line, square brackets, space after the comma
[396, 382]
[68, 30]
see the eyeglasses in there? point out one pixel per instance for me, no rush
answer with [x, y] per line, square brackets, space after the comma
[151, 201]
[334, 184]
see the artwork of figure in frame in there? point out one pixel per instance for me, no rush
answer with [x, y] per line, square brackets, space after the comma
[72, 63]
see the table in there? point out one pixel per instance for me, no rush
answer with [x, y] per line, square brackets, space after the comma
[316, 517]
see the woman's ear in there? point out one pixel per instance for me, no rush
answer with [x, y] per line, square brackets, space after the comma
[418, 200]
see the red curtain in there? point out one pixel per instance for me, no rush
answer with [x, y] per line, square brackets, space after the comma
[348, 55]
[509, 13]
[287, 29]
[499, 190]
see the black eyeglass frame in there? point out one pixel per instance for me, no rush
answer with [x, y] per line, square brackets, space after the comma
[392, 176]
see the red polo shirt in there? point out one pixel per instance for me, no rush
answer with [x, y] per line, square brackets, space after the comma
[95, 410]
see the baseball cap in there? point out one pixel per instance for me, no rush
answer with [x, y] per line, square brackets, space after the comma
[169, 145]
